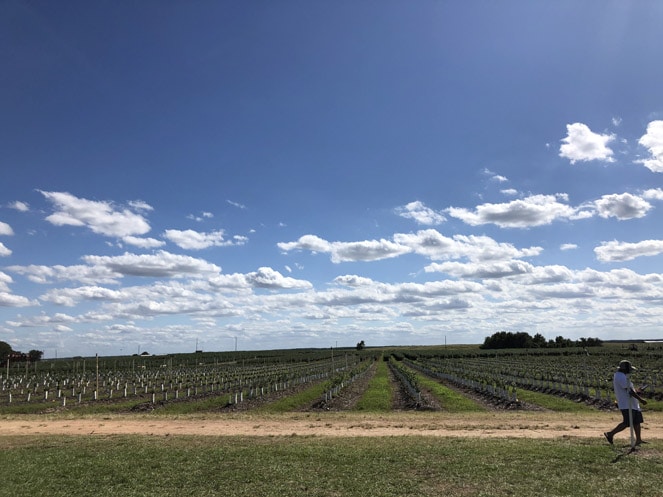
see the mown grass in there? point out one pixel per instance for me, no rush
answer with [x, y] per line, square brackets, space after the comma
[449, 399]
[552, 402]
[134, 466]
[295, 401]
[378, 396]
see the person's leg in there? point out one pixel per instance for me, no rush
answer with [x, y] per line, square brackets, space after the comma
[637, 427]
[609, 435]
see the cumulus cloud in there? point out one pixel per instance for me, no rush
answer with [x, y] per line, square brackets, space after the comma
[367, 250]
[615, 251]
[568, 246]
[159, 265]
[4, 251]
[20, 206]
[5, 229]
[71, 296]
[652, 140]
[266, 277]
[420, 213]
[582, 144]
[100, 217]
[432, 244]
[622, 206]
[84, 274]
[141, 242]
[10, 300]
[429, 243]
[194, 240]
[7, 299]
[500, 269]
[536, 210]
[653, 194]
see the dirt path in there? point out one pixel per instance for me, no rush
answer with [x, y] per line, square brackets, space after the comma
[504, 424]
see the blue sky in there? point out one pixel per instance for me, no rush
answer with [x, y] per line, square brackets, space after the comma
[305, 173]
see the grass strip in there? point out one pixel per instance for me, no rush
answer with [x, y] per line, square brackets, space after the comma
[295, 401]
[450, 400]
[134, 466]
[552, 402]
[378, 395]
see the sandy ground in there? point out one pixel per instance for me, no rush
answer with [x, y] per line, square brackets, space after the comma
[499, 424]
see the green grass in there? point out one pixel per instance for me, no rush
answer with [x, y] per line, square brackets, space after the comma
[450, 400]
[133, 466]
[295, 401]
[552, 402]
[378, 396]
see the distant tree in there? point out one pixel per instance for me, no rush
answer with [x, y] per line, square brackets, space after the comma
[35, 355]
[361, 345]
[539, 341]
[5, 350]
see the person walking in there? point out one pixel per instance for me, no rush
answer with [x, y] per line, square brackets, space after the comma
[628, 402]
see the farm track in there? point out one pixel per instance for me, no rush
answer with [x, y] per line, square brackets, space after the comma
[503, 424]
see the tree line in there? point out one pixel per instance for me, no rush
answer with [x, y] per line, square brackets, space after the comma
[8, 354]
[523, 340]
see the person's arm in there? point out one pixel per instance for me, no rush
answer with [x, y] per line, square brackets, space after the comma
[635, 394]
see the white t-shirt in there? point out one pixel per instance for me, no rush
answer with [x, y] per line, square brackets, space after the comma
[622, 386]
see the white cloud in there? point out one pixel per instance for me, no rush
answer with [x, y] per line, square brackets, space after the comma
[5, 280]
[615, 251]
[5, 229]
[430, 243]
[367, 250]
[194, 240]
[159, 265]
[536, 210]
[420, 213]
[7, 299]
[10, 300]
[512, 192]
[266, 277]
[100, 217]
[84, 274]
[653, 141]
[500, 269]
[581, 144]
[145, 243]
[71, 296]
[20, 206]
[622, 206]
[653, 194]
[568, 246]
[4, 251]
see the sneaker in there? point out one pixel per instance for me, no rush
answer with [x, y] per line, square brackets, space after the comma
[608, 437]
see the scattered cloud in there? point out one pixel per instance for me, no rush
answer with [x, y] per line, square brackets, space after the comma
[622, 206]
[236, 204]
[536, 210]
[582, 144]
[159, 265]
[615, 251]
[568, 246]
[652, 140]
[420, 213]
[194, 240]
[5, 229]
[19, 206]
[4, 251]
[141, 242]
[100, 217]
